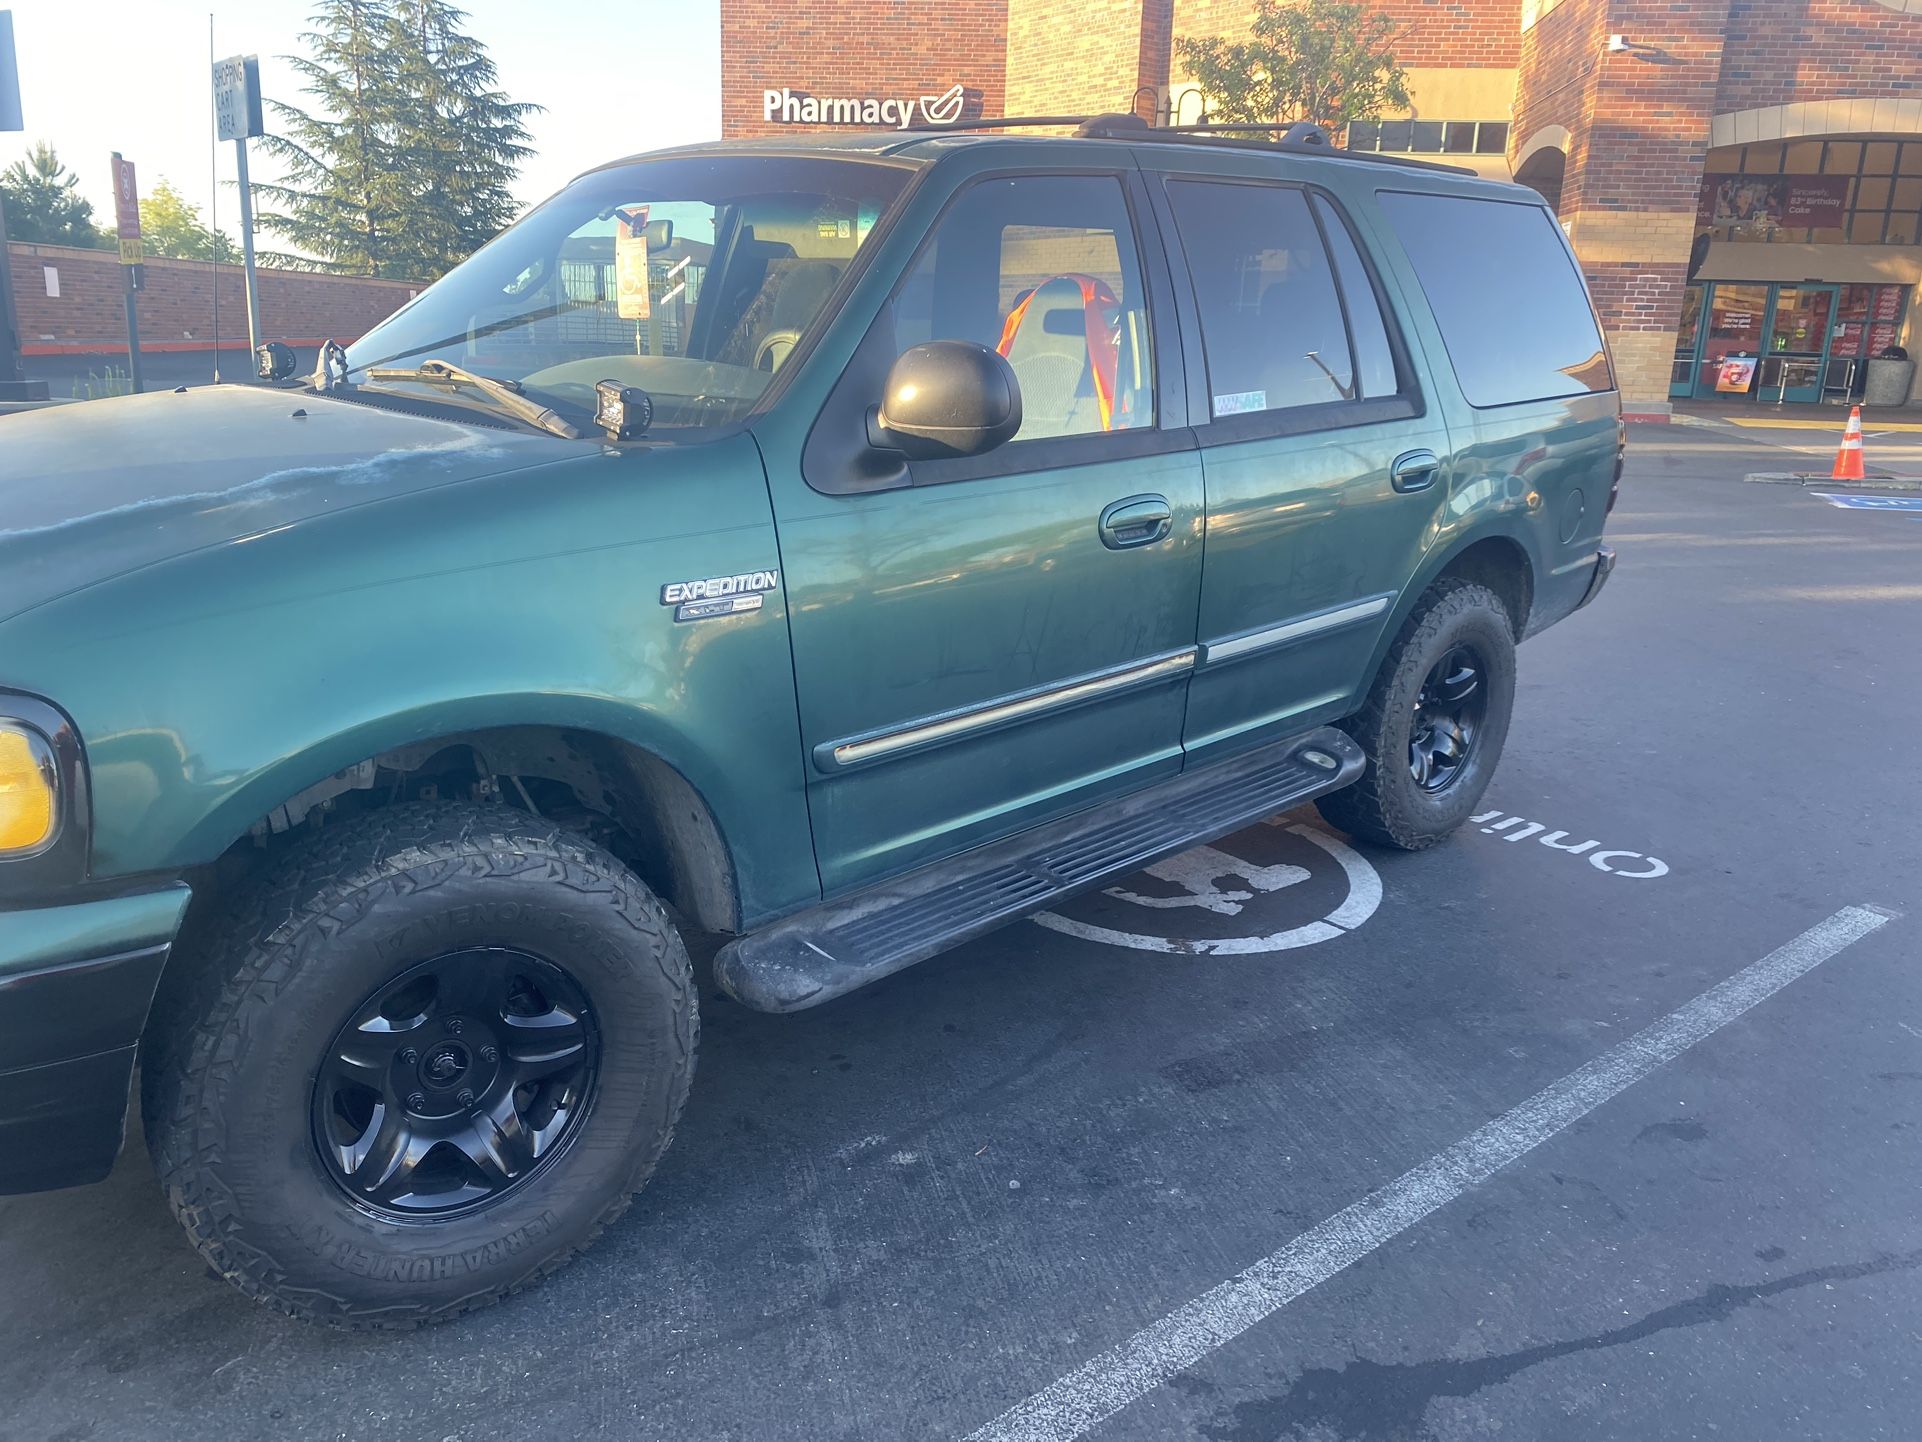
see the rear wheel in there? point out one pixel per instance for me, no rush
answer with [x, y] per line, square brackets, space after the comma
[1434, 721]
[428, 1060]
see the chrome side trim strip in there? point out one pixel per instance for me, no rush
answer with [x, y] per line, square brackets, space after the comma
[954, 724]
[1294, 630]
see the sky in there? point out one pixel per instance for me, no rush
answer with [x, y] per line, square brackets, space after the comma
[98, 76]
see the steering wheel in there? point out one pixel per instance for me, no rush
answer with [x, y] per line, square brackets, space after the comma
[774, 348]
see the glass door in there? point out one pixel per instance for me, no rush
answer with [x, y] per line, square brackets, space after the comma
[1798, 343]
[1732, 338]
[1688, 344]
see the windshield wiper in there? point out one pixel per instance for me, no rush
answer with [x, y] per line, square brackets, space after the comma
[506, 395]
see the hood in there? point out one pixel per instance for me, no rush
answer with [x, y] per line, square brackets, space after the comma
[93, 490]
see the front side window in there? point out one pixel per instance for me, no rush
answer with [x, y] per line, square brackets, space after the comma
[1505, 294]
[1272, 324]
[1042, 269]
[693, 278]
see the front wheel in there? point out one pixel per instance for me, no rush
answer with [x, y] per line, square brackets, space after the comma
[1434, 721]
[426, 1061]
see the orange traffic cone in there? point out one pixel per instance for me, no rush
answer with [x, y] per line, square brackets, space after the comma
[1848, 459]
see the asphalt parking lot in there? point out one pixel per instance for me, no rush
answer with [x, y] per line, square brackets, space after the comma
[1490, 1147]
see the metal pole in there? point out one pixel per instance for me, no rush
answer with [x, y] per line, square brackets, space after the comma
[130, 279]
[11, 373]
[247, 247]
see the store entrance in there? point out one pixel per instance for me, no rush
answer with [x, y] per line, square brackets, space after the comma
[1786, 342]
[1798, 343]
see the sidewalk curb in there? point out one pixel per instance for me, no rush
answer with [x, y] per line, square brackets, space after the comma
[1812, 478]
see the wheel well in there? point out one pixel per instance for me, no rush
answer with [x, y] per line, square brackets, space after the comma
[619, 795]
[1502, 566]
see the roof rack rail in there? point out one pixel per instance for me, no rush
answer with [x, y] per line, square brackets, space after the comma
[1297, 137]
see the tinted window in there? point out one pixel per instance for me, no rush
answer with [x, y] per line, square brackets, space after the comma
[1505, 294]
[1271, 321]
[1374, 357]
[1044, 270]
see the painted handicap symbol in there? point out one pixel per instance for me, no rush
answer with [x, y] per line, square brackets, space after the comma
[1286, 884]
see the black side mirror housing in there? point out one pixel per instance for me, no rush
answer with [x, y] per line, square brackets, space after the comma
[945, 399]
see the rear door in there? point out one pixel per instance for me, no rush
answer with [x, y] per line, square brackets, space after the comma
[1326, 469]
[985, 643]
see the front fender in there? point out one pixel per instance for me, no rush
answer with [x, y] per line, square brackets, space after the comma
[213, 687]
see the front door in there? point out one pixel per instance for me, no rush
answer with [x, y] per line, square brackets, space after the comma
[1798, 342]
[993, 641]
[1325, 478]
[1732, 339]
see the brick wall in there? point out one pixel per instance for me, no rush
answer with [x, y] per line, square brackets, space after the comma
[1797, 50]
[881, 47]
[176, 307]
[1088, 64]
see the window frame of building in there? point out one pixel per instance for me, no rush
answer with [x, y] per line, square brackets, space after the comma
[827, 469]
[1892, 217]
[1410, 137]
[1408, 401]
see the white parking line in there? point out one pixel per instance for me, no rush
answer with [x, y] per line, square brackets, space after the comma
[1070, 1407]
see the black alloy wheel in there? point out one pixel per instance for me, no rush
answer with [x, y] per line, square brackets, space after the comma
[455, 1083]
[1449, 710]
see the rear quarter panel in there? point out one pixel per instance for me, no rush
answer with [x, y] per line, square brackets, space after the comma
[1536, 473]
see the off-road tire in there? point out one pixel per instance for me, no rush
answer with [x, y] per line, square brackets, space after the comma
[1386, 806]
[229, 1076]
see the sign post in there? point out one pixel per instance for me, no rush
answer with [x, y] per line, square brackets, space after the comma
[14, 385]
[126, 212]
[237, 117]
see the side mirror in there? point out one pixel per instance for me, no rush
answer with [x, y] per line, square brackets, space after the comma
[947, 398]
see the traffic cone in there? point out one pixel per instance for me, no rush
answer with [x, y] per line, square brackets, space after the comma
[1848, 459]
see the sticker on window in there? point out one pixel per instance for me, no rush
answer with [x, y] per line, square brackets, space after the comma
[630, 265]
[1239, 403]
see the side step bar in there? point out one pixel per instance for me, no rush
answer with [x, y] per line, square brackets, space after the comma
[831, 949]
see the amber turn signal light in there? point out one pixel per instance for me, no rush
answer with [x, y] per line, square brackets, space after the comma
[29, 791]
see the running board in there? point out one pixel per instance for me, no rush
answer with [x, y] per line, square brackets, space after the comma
[831, 949]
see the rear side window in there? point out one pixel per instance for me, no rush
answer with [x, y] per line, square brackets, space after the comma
[1271, 318]
[1508, 300]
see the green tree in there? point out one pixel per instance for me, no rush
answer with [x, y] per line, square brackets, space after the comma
[460, 141]
[44, 204]
[170, 225]
[339, 197]
[1326, 61]
[405, 161]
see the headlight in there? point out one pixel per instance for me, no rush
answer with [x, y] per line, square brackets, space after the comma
[29, 791]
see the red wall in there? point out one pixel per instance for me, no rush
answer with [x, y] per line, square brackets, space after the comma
[176, 307]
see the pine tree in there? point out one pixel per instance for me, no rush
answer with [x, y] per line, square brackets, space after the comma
[459, 142]
[337, 200]
[44, 204]
[404, 163]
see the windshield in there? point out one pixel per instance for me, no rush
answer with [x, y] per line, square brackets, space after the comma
[692, 278]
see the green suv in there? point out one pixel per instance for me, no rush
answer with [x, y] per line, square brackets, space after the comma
[841, 546]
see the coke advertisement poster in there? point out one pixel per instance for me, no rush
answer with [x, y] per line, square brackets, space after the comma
[1758, 204]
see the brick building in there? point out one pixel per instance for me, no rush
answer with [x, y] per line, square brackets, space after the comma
[1742, 179]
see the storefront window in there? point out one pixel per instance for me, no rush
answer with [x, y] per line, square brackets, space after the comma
[1859, 192]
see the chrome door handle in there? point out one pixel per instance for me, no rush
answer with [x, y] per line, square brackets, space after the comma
[1136, 521]
[1414, 471]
